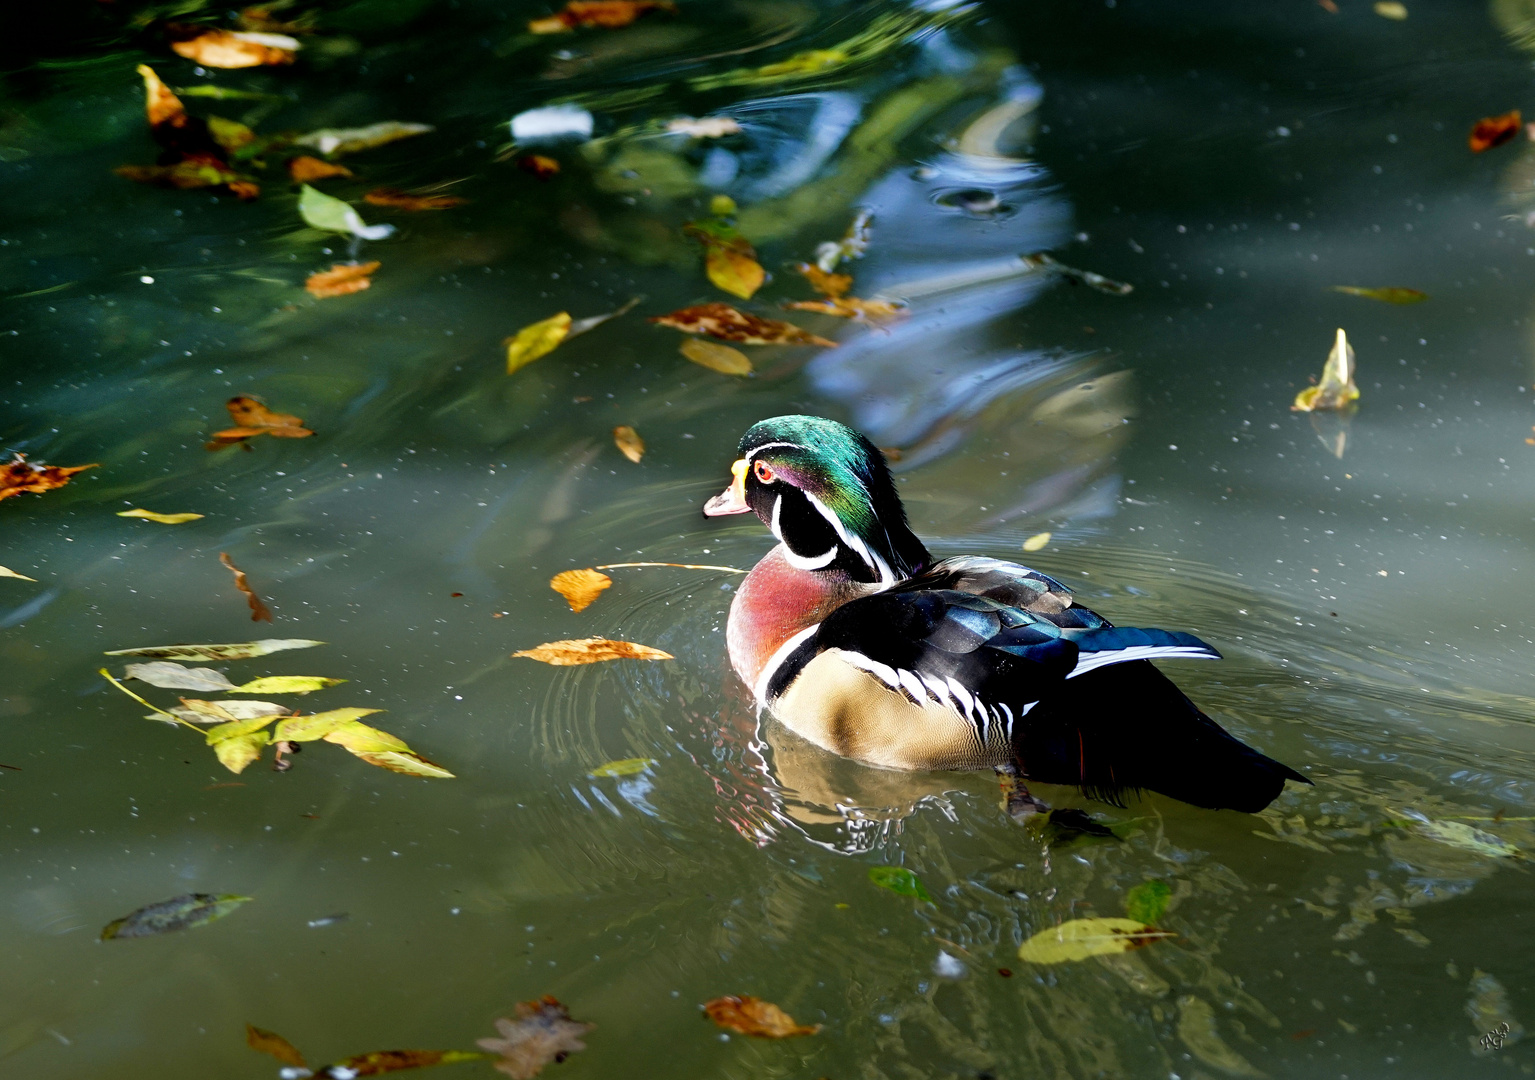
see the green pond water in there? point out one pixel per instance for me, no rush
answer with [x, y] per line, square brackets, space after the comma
[1370, 579]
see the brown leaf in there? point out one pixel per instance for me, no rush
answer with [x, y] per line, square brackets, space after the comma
[261, 20]
[629, 443]
[850, 307]
[252, 418]
[539, 165]
[591, 650]
[380, 1062]
[401, 200]
[606, 14]
[542, 1033]
[236, 49]
[162, 107]
[828, 285]
[753, 1016]
[341, 279]
[17, 476]
[305, 169]
[726, 323]
[1493, 131]
[716, 357]
[259, 612]
[269, 1042]
[192, 171]
[580, 587]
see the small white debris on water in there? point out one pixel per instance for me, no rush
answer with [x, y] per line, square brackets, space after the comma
[147, 280]
[552, 123]
[948, 967]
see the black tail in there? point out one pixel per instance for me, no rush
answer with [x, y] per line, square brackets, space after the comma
[1126, 727]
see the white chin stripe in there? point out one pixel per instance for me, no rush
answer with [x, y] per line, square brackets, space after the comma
[1089, 661]
[818, 562]
[854, 544]
[759, 691]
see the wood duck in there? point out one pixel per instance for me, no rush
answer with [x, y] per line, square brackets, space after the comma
[858, 640]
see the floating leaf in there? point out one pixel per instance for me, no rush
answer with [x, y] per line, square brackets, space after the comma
[238, 751]
[7, 572]
[1493, 131]
[193, 156]
[729, 259]
[1391, 9]
[162, 107]
[716, 357]
[1467, 838]
[1337, 389]
[230, 134]
[384, 750]
[236, 49]
[18, 476]
[1042, 261]
[591, 322]
[850, 307]
[380, 1062]
[337, 141]
[540, 165]
[1389, 295]
[707, 127]
[197, 171]
[401, 200]
[899, 880]
[287, 684]
[591, 651]
[827, 284]
[252, 418]
[753, 1016]
[579, 587]
[604, 14]
[318, 726]
[269, 1042]
[259, 611]
[1036, 542]
[322, 211]
[305, 169]
[243, 651]
[726, 323]
[1081, 938]
[177, 913]
[627, 767]
[175, 677]
[220, 712]
[853, 244]
[543, 1032]
[539, 339]
[629, 443]
[342, 279]
[163, 519]
[1147, 902]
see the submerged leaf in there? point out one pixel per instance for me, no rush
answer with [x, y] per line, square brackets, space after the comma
[1337, 389]
[304, 169]
[236, 49]
[753, 1016]
[542, 1033]
[197, 171]
[342, 279]
[18, 476]
[380, 1062]
[269, 1042]
[1389, 295]
[579, 587]
[1391, 9]
[177, 913]
[401, 200]
[538, 339]
[716, 357]
[1147, 902]
[898, 880]
[603, 14]
[1493, 131]
[259, 611]
[726, 323]
[1036, 542]
[242, 651]
[629, 443]
[337, 141]
[1078, 939]
[627, 767]
[591, 651]
[1467, 838]
[163, 519]
[175, 677]
[287, 684]
[7, 572]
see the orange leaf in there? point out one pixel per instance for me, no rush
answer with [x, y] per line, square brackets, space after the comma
[193, 171]
[629, 443]
[269, 1042]
[400, 200]
[341, 279]
[17, 476]
[606, 14]
[234, 49]
[252, 418]
[305, 169]
[753, 1016]
[543, 1032]
[849, 307]
[579, 587]
[539, 165]
[828, 285]
[726, 323]
[591, 651]
[259, 611]
[1493, 131]
[162, 106]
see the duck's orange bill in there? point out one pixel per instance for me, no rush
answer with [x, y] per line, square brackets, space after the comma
[733, 499]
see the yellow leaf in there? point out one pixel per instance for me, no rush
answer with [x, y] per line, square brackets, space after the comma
[1036, 542]
[536, 340]
[827, 284]
[237, 729]
[4, 572]
[716, 357]
[629, 443]
[360, 738]
[236, 49]
[163, 519]
[318, 726]
[405, 761]
[734, 271]
[850, 307]
[627, 767]
[1336, 389]
[591, 651]
[238, 752]
[1081, 938]
[579, 587]
[287, 684]
[1391, 9]
[1388, 295]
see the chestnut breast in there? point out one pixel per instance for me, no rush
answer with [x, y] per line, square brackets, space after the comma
[777, 601]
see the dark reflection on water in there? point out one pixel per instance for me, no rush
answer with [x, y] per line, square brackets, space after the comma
[1231, 162]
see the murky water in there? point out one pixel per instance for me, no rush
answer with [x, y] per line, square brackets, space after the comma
[1370, 582]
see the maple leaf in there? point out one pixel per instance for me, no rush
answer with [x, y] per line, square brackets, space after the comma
[542, 1033]
[252, 418]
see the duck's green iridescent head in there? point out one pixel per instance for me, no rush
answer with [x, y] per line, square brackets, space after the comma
[825, 491]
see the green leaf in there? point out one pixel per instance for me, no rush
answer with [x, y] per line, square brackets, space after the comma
[177, 913]
[322, 211]
[899, 880]
[1387, 295]
[1148, 901]
[535, 340]
[244, 651]
[287, 684]
[318, 726]
[627, 767]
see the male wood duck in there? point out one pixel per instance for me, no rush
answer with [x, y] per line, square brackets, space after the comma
[859, 641]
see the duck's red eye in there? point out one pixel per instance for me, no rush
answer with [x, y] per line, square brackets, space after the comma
[764, 472]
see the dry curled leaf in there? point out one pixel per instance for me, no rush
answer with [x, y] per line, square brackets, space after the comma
[244, 650]
[236, 48]
[1078, 939]
[402, 200]
[580, 587]
[591, 651]
[259, 611]
[252, 418]
[728, 324]
[707, 127]
[18, 476]
[716, 357]
[305, 169]
[1336, 390]
[753, 1016]
[629, 443]
[163, 519]
[543, 1032]
[269, 1042]
[603, 14]
[1493, 131]
[341, 279]
[535, 340]
[540, 165]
